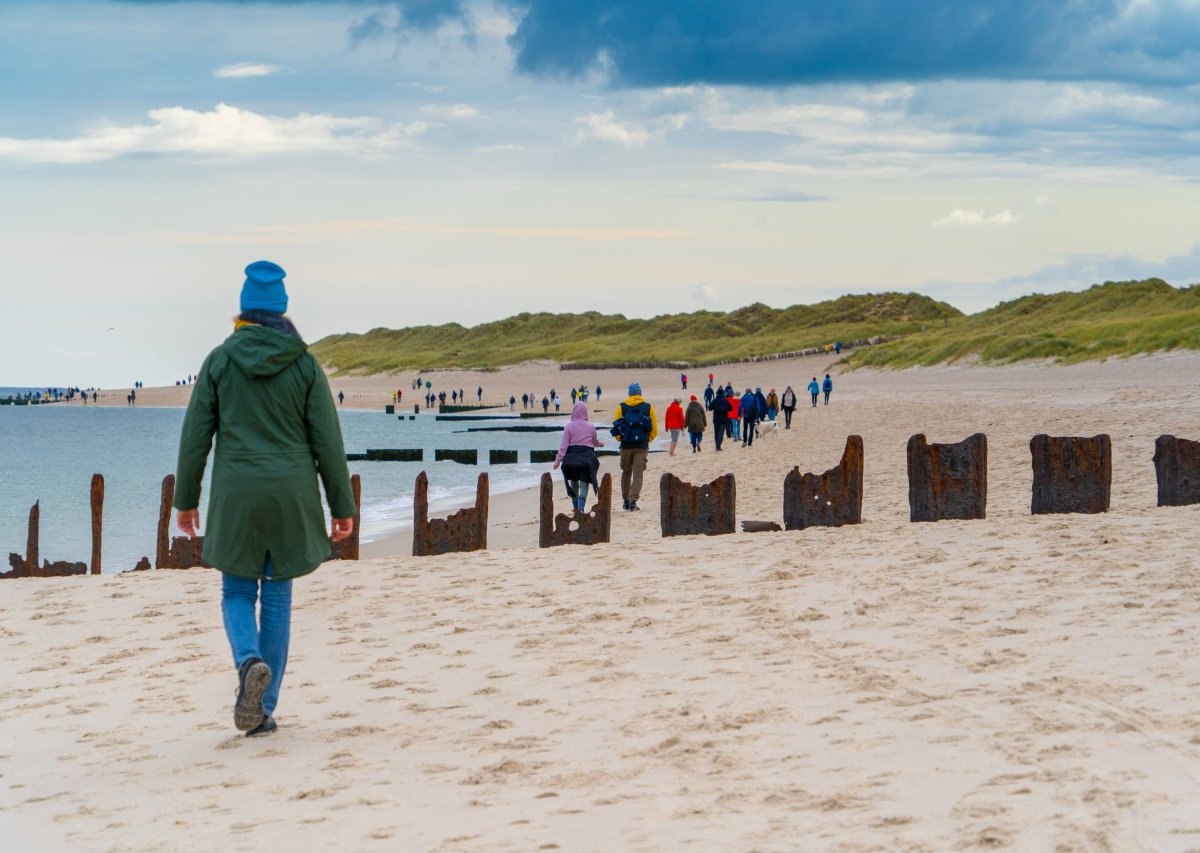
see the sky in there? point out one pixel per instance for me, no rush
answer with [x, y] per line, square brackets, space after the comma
[430, 161]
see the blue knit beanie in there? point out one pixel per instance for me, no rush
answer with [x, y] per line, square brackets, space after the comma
[263, 290]
[635, 390]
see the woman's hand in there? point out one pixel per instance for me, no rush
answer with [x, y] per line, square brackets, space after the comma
[342, 528]
[556, 464]
[188, 520]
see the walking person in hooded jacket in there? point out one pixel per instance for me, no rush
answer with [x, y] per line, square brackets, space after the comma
[815, 390]
[265, 399]
[635, 425]
[696, 421]
[674, 422]
[827, 387]
[720, 409]
[749, 412]
[577, 456]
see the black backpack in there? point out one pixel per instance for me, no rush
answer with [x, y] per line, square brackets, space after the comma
[634, 424]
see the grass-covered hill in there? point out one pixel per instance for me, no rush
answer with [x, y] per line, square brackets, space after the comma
[703, 337]
[1110, 319]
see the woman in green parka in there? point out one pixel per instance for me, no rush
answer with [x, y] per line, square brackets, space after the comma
[266, 400]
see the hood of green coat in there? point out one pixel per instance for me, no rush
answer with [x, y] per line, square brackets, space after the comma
[260, 351]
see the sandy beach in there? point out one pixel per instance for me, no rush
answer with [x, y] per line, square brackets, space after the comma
[1022, 682]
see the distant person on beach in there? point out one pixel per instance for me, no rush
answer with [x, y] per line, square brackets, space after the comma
[524, 401]
[479, 393]
[512, 403]
[696, 421]
[635, 426]
[772, 405]
[674, 422]
[814, 389]
[574, 396]
[837, 347]
[735, 417]
[720, 410]
[788, 402]
[683, 380]
[545, 405]
[341, 398]
[454, 397]
[557, 402]
[597, 393]
[708, 397]
[577, 456]
[760, 408]
[265, 398]
[827, 387]
[748, 409]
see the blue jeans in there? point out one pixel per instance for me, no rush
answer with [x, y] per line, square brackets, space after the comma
[250, 639]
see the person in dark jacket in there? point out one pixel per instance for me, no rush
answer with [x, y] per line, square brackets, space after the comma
[264, 397]
[577, 457]
[696, 421]
[749, 412]
[708, 397]
[634, 452]
[788, 403]
[720, 412]
[827, 387]
[760, 408]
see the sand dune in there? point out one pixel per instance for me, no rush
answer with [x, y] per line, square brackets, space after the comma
[1024, 682]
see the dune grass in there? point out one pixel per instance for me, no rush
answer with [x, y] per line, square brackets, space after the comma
[1108, 320]
[702, 337]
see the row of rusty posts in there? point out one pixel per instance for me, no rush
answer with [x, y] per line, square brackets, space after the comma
[179, 552]
[945, 482]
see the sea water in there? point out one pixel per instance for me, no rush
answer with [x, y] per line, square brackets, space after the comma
[49, 454]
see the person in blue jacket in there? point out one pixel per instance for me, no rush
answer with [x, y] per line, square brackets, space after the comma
[814, 388]
[748, 409]
[827, 387]
[708, 397]
[760, 407]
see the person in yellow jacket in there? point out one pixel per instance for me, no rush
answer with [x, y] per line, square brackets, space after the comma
[635, 425]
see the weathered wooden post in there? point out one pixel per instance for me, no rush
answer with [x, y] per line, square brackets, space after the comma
[947, 481]
[32, 557]
[162, 547]
[686, 510]
[1177, 464]
[465, 530]
[1071, 474]
[347, 549]
[97, 520]
[829, 500]
[590, 527]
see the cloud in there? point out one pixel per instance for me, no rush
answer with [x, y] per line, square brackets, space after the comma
[357, 228]
[705, 294]
[603, 126]
[782, 42]
[962, 216]
[225, 133]
[246, 69]
[454, 111]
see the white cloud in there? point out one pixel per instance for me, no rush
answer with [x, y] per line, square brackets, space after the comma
[963, 216]
[246, 69]
[459, 111]
[226, 133]
[605, 127]
[489, 149]
[705, 294]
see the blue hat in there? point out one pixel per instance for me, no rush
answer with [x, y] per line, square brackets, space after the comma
[263, 290]
[635, 389]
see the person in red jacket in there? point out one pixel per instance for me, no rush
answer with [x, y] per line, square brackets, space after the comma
[674, 422]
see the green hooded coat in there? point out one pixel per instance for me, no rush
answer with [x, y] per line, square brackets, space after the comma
[265, 398]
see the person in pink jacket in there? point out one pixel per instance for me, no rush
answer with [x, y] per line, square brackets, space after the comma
[577, 456]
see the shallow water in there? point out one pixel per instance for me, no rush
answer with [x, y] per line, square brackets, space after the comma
[49, 453]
